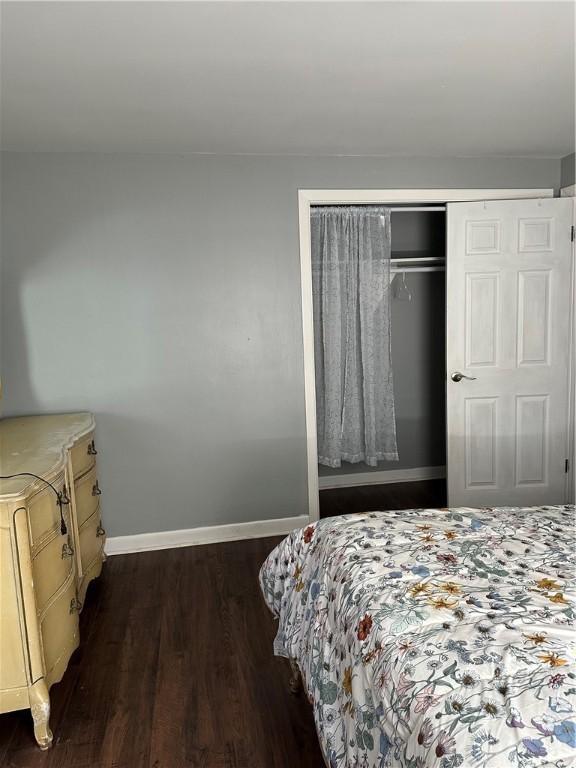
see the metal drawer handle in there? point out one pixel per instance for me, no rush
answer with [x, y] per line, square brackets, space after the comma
[92, 449]
[63, 498]
[67, 551]
[75, 605]
[100, 531]
[96, 489]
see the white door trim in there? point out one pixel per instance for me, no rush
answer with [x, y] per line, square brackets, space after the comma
[309, 197]
[571, 479]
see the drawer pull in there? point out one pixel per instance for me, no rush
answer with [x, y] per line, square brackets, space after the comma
[92, 449]
[67, 551]
[100, 531]
[64, 498]
[96, 489]
[75, 605]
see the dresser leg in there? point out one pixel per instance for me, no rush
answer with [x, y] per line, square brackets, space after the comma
[40, 709]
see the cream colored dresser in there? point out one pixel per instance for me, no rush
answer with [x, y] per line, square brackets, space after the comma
[49, 552]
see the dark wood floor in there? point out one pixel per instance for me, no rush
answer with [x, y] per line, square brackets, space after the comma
[175, 669]
[367, 498]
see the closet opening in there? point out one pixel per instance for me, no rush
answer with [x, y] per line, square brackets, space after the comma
[424, 228]
[376, 473]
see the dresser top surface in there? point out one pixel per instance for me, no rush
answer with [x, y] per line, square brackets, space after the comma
[37, 444]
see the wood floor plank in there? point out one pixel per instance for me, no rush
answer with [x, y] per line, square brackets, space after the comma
[175, 670]
[175, 667]
[368, 498]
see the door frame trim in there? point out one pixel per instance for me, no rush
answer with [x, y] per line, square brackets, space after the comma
[309, 197]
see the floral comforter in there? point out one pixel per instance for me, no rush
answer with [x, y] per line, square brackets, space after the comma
[433, 638]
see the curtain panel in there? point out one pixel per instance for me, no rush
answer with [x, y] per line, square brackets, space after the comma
[351, 291]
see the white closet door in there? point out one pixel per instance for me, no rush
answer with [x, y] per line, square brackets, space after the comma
[509, 285]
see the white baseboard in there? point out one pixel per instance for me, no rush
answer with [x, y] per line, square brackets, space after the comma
[214, 534]
[211, 534]
[381, 478]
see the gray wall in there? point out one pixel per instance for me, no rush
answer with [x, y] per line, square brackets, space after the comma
[568, 170]
[163, 293]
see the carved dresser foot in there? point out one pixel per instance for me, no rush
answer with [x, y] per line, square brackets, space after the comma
[40, 709]
[296, 679]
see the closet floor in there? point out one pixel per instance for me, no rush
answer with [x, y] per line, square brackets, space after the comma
[367, 498]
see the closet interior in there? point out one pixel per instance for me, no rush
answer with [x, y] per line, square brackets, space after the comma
[417, 321]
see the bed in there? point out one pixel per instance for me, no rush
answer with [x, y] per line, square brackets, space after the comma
[431, 638]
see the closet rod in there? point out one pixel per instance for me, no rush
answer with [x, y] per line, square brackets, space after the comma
[417, 260]
[399, 270]
[419, 208]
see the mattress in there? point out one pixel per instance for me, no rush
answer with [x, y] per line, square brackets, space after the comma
[433, 638]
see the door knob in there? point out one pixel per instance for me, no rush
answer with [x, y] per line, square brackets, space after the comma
[457, 376]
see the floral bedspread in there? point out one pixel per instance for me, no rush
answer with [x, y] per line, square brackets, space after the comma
[433, 638]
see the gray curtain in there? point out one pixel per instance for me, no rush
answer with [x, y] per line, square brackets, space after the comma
[351, 288]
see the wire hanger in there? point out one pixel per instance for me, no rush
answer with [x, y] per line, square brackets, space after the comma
[400, 289]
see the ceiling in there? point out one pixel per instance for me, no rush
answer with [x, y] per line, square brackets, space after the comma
[346, 78]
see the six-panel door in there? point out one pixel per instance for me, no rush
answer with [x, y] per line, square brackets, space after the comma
[508, 332]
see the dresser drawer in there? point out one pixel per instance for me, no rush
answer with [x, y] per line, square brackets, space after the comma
[44, 512]
[83, 455]
[51, 566]
[92, 538]
[87, 495]
[59, 629]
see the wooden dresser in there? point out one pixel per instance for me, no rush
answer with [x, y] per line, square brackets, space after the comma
[51, 547]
